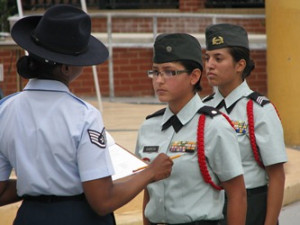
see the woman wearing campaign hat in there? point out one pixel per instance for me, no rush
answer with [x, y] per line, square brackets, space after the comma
[55, 141]
[258, 127]
[209, 158]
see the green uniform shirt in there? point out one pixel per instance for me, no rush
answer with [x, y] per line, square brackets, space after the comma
[268, 133]
[184, 196]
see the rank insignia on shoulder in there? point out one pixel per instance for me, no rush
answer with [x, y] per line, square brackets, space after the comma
[183, 146]
[258, 98]
[98, 138]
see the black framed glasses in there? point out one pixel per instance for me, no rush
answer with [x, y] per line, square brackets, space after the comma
[165, 73]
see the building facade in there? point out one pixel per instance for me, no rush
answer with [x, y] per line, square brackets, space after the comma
[132, 33]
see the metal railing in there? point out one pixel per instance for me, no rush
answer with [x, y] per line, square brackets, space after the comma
[155, 16]
[109, 16]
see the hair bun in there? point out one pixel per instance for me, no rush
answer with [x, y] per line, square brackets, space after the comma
[26, 67]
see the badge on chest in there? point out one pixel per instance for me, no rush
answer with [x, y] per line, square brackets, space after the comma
[183, 146]
[240, 127]
[150, 149]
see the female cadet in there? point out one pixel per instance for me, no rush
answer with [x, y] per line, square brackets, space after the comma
[55, 141]
[227, 64]
[185, 197]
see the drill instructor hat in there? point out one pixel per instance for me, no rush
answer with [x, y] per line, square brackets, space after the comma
[61, 35]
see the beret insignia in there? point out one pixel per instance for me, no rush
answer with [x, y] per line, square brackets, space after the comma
[217, 40]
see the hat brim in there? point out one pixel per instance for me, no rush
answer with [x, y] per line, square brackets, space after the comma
[96, 52]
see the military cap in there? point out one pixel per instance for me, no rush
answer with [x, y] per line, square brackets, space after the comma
[176, 47]
[226, 35]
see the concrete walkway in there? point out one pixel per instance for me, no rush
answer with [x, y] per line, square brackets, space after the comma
[122, 118]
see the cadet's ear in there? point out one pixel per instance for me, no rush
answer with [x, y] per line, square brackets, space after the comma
[195, 76]
[241, 65]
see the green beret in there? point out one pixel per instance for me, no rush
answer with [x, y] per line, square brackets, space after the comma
[225, 35]
[176, 47]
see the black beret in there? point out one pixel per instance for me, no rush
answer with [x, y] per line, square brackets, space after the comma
[176, 47]
[225, 35]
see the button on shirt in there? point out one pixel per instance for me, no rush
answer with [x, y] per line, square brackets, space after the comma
[184, 196]
[44, 137]
[268, 133]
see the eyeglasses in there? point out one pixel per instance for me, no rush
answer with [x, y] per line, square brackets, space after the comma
[166, 73]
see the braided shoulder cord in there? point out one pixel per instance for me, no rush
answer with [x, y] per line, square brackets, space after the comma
[251, 133]
[201, 154]
[228, 119]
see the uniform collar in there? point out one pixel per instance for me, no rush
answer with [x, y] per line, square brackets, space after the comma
[46, 85]
[186, 113]
[239, 92]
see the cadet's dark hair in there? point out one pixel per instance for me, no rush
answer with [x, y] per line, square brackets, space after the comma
[190, 66]
[34, 67]
[239, 53]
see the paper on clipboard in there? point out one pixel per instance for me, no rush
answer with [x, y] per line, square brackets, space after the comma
[124, 162]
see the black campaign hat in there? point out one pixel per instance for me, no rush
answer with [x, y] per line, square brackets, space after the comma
[226, 35]
[61, 35]
[176, 47]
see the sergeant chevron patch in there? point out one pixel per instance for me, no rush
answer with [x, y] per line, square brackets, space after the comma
[98, 138]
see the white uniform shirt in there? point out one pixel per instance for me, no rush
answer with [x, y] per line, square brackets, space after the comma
[268, 133]
[52, 139]
[184, 196]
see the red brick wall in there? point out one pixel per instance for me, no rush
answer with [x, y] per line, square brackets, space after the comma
[131, 64]
[178, 24]
[8, 59]
[191, 5]
[130, 79]
[258, 78]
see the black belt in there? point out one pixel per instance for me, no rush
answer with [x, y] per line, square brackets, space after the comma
[202, 222]
[258, 190]
[53, 198]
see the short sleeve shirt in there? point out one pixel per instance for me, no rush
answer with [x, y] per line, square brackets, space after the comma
[53, 140]
[184, 196]
[268, 133]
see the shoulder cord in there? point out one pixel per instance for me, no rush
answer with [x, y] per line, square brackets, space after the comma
[201, 154]
[228, 119]
[251, 133]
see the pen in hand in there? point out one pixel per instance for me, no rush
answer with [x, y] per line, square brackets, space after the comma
[143, 167]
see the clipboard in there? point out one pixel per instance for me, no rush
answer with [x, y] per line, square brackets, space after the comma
[124, 162]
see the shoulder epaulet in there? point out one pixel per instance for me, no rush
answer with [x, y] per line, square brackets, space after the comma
[258, 98]
[209, 97]
[209, 110]
[157, 113]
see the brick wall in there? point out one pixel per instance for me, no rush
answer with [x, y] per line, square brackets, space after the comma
[130, 79]
[131, 64]
[8, 59]
[176, 24]
[191, 5]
